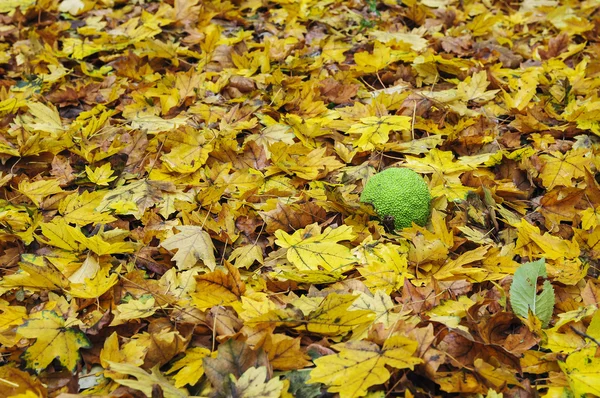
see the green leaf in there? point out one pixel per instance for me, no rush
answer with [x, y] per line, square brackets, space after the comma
[523, 292]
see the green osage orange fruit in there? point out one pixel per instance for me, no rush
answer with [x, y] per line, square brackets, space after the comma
[399, 194]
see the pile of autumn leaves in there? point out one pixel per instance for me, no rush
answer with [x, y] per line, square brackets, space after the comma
[181, 213]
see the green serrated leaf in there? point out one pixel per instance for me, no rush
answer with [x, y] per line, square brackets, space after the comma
[523, 292]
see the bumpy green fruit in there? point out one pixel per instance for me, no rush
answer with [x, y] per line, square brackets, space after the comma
[399, 193]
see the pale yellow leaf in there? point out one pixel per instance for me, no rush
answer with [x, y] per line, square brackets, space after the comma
[192, 244]
[142, 307]
[100, 175]
[38, 190]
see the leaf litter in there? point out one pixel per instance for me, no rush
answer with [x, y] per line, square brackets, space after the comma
[180, 209]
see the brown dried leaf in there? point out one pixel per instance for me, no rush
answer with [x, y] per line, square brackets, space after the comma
[337, 92]
[556, 46]
[292, 217]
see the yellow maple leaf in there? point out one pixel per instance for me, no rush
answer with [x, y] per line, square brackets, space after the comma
[190, 367]
[499, 262]
[136, 197]
[284, 352]
[102, 244]
[590, 218]
[369, 63]
[564, 343]
[455, 268]
[54, 339]
[10, 316]
[192, 244]
[333, 316]
[253, 384]
[483, 23]
[445, 172]
[145, 382]
[562, 169]
[307, 276]
[59, 234]
[409, 41]
[272, 133]
[177, 284]
[35, 274]
[427, 246]
[218, 288]
[96, 286]
[73, 7]
[374, 131]
[131, 352]
[253, 304]
[594, 329]
[310, 250]
[245, 255]
[497, 376]
[212, 36]
[299, 160]
[38, 190]
[88, 269]
[17, 383]
[524, 86]
[582, 369]
[333, 50]
[43, 118]
[98, 73]
[153, 124]
[382, 306]
[328, 316]
[79, 209]
[362, 364]
[575, 315]
[133, 308]
[100, 175]
[457, 308]
[385, 266]
[190, 149]
[19, 220]
[12, 105]
[437, 161]
[473, 88]
[563, 262]
[458, 382]
[531, 243]
[168, 96]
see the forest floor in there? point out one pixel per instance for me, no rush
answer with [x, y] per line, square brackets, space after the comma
[180, 205]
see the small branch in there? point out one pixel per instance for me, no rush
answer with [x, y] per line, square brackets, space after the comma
[584, 335]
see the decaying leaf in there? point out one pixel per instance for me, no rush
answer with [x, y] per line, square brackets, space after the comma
[180, 188]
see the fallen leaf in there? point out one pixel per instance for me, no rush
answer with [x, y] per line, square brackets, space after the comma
[53, 340]
[192, 244]
[362, 364]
